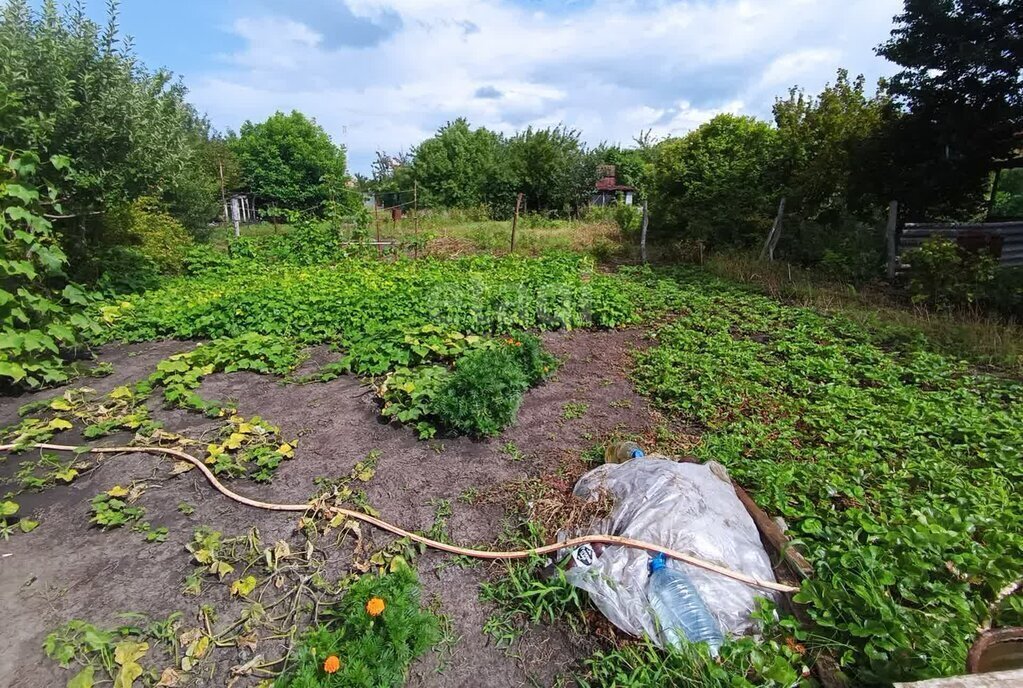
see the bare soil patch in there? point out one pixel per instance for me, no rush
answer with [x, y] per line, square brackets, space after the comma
[68, 570]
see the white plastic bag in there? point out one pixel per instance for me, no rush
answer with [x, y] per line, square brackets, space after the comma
[688, 507]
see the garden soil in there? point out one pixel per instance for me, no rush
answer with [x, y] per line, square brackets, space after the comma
[66, 569]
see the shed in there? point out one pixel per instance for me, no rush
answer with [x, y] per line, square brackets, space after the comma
[607, 188]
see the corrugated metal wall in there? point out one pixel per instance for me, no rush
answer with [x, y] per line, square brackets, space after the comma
[914, 234]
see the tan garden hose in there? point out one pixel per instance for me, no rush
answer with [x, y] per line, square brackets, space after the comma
[401, 532]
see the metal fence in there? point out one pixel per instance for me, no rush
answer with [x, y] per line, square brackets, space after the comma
[1002, 239]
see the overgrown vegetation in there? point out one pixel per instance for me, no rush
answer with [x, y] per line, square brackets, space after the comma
[895, 466]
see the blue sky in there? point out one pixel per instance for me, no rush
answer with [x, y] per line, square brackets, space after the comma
[384, 74]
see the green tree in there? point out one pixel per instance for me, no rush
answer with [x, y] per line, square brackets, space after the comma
[824, 146]
[962, 84]
[551, 168]
[718, 183]
[69, 86]
[41, 312]
[289, 160]
[455, 166]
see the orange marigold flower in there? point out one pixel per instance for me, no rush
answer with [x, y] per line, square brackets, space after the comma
[375, 606]
[331, 664]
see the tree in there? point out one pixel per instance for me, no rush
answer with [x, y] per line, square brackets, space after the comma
[549, 167]
[71, 87]
[825, 144]
[718, 183]
[962, 84]
[455, 165]
[289, 160]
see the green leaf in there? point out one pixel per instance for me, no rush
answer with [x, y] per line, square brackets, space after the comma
[243, 586]
[27, 525]
[83, 679]
[20, 192]
[8, 508]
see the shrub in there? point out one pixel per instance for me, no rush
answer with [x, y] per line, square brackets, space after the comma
[372, 652]
[127, 270]
[155, 234]
[1005, 292]
[535, 363]
[41, 313]
[942, 274]
[483, 394]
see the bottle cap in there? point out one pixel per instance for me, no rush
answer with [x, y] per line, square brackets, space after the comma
[658, 562]
[636, 453]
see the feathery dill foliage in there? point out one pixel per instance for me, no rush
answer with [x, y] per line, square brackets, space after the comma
[373, 652]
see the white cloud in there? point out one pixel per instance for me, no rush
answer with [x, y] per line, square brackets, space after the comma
[608, 68]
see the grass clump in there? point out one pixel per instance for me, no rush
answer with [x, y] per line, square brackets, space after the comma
[483, 393]
[374, 632]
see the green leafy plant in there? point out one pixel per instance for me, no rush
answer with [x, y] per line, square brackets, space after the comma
[113, 508]
[372, 651]
[943, 274]
[41, 313]
[483, 393]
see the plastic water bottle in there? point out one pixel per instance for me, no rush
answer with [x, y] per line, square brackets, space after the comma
[679, 609]
[622, 451]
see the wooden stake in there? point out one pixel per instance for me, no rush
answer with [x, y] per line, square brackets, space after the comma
[774, 234]
[415, 215]
[376, 222]
[642, 236]
[893, 216]
[515, 220]
[223, 195]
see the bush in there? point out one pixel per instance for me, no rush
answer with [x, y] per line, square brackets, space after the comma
[126, 270]
[535, 363]
[373, 652]
[483, 394]
[1005, 292]
[156, 235]
[942, 274]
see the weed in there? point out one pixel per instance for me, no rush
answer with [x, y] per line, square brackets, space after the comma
[470, 496]
[113, 508]
[574, 409]
[512, 451]
[523, 596]
[185, 508]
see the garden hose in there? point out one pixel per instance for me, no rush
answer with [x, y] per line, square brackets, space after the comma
[401, 532]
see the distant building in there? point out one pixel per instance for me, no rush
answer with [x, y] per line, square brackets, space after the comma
[607, 188]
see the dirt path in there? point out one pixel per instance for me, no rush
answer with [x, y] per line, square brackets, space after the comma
[67, 570]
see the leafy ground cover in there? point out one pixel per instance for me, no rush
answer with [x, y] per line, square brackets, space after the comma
[893, 465]
[896, 468]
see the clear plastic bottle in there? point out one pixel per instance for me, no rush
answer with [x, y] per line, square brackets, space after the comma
[619, 452]
[678, 608]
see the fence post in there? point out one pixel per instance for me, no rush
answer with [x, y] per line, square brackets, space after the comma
[376, 223]
[642, 235]
[515, 220]
[235, 212]
[415, 215]
[893, 214]
[774, 234]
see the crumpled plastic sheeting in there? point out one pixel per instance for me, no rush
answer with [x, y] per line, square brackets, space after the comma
[688, 507]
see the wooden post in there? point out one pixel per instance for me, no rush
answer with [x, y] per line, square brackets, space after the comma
[774, 234]
[415, 215]
[893, 215]
[223, 195]
[376, 223]
[515, 220]
[994, 193]
[642, 235]
[235, 212]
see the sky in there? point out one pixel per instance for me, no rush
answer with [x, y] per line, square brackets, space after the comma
[385, 74]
